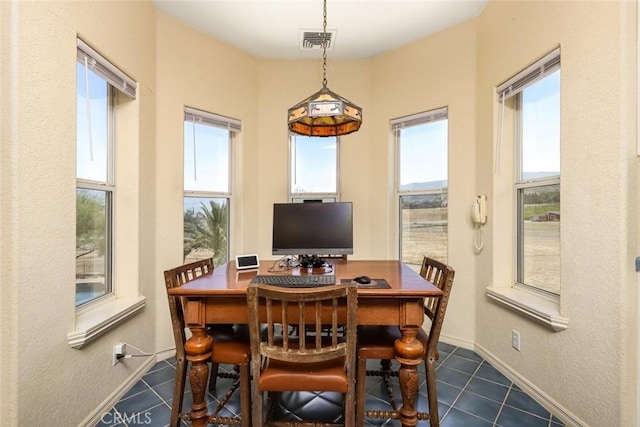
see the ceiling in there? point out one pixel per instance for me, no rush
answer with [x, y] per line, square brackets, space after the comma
[363, 28]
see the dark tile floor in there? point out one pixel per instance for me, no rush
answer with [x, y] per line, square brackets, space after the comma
[471, 393]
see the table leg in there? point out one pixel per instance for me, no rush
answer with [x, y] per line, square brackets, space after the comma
[409, 353]
[198, 349]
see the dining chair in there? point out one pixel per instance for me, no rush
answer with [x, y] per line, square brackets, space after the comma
[377, 342]
[231, 346]
[310, 361]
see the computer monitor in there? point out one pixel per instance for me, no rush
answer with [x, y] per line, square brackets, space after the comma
[312, 228]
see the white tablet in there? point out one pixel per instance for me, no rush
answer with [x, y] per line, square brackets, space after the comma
[244, 262]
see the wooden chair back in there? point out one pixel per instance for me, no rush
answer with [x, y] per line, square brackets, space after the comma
[441, 275]
[172, 278]
[177, 277]
[319, 309]
[320, 312]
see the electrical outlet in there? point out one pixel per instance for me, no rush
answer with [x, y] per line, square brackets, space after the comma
[119, 348]
[515, 339]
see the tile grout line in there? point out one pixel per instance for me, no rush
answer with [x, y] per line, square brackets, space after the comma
[525, 411]
[444, 416]
[156, 393]
[502, 405]
[462, 389]
[387, 423]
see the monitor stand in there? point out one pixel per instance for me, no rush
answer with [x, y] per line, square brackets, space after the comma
[311, 261]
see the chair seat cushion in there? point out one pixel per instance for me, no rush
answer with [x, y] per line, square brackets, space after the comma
[230, 345]
[287, 376]
[231, 352]
[377, 342]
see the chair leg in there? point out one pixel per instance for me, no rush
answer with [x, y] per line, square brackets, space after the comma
[257, 409]
[349, 410]
[178, 391]
[361, 382]
[386, 373]
[213, 377]
[245, 392]
[430, 370]
[272, 403]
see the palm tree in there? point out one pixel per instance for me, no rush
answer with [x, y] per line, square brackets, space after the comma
[190, 232]
[207, 229]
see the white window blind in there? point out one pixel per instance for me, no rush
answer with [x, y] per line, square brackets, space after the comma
[536, 71]
[103, 68]
[419, 119]
[206, 118]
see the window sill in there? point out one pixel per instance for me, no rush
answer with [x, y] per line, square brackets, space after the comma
[535, 307]
[98, 320]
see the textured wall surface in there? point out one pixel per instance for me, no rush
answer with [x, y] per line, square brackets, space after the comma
[589, 369]
[46, 379]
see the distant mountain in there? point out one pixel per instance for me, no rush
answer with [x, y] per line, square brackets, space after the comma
[421, 185]
[535, 175]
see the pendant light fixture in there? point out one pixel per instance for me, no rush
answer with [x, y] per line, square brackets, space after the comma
[325, 113]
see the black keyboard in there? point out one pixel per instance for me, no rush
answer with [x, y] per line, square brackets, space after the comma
[288, 281]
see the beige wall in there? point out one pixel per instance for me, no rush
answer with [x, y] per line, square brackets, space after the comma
[458, 68]
[43, 379]
[367, 156]
[283, 84]
[588, 370]
[196, 71]
[436, 72]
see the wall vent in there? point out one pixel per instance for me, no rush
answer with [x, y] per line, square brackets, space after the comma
[312, 39]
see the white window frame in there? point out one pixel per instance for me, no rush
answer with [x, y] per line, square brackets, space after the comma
[233, 126]
[109, 188]
[520, 186]
[95, 63]
[397, 125]
[102, 314]
[325, 197]
[514, 87]
[537, 305]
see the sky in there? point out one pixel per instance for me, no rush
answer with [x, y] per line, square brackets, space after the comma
[206, 158]
[541, 126]
[423, 153]
[313, 168]
[91, 157]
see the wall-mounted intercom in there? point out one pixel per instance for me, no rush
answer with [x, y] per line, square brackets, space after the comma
[479, 210]
[479, 218]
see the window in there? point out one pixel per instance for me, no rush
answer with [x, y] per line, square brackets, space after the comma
[207, 184]
[535, 97]
[314, 168]
[422, 169]
[98, 83]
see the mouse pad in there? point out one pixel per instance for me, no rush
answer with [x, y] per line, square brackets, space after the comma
[375, 284]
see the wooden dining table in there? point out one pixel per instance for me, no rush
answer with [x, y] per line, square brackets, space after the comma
[395, 296]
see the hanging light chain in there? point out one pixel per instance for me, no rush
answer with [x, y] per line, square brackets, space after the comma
[324, 113]
[324, 45]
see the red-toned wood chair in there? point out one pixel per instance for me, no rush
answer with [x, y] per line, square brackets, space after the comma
[377, 342]
[231, 346]
[312, 362]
